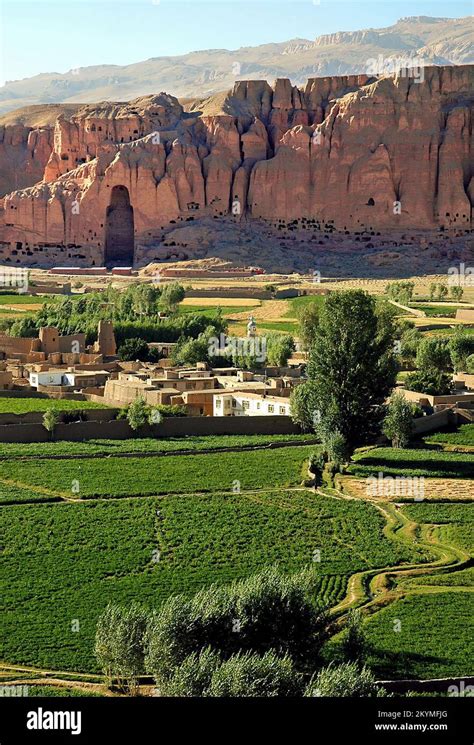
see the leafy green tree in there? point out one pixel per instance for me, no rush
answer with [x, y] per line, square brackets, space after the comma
[193, 676]
[134, 349]
[401, 292]
[456, 292]
[470, 364]
[336, 446]
[24, 327]
[120, 644]
[268, 611]
[192, 351]
[138, 413]
[354, 641]
[280, 347]
[50, 420]
[430, 381]
[434, 353]
[461, 346]
[308, 317]
[351, 369]
[154, 354]
[304, 404]
[442, 292]
[345, 681]
[433, 290]
[241, 675]
[398, 422]
[171, 295]
[144, 300]
[247, 674]
[410, 340]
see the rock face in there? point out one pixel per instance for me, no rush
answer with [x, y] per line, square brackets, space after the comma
[352, 153]
[24, 153]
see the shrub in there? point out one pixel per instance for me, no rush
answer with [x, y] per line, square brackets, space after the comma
[241, 675]
[434, 354]
[347, 680]
[138, 413]
[120, 644]
[268, 611]
[193, 676]
[247, 674]
[134, 349]
[50, 420]
[430, 381]
[398, 423]
[354, 643]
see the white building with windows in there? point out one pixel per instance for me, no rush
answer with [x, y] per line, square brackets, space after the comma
[240, 403]
[50, 377]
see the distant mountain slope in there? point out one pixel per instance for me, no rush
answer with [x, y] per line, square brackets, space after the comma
[439, 41]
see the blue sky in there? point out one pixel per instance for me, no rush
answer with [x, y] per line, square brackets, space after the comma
[60, 35]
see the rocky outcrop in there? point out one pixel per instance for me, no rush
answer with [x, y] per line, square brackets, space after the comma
[352, 153]
[24, 153]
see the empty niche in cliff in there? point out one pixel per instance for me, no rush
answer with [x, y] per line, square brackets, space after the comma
[119, 228]
[371, 202]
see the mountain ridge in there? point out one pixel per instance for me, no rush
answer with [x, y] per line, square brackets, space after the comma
[201, 73]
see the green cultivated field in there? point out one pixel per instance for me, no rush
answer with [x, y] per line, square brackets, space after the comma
[455, 522]
[463, 436]
[445, 311]
[141, 445]
[22, 299]
[66, 561]
[404, 462]
[121, 477]
[284, 327]
[297, 303]
[209, 310]
[435, 638]
[117, 539]
[24, 405]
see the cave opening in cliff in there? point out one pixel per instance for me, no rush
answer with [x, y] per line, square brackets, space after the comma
[119, 229]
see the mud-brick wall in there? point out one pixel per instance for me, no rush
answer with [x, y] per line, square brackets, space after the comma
[169, 427]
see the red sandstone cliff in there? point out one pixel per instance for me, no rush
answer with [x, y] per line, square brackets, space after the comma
[350, 151]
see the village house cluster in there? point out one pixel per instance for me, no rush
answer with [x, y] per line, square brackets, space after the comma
[64, 367]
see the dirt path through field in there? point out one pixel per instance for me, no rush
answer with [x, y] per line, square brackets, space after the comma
[373, 589]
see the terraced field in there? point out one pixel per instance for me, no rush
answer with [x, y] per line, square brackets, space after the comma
[423, 636]
[141, 528]
[77, 557]
[418, 617]
[430, 489]
[464, 436]
[122, 477]
[144, 445]
[11, 405]
[404, 462]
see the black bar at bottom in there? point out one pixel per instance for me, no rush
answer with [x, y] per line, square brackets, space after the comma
[312, 720]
